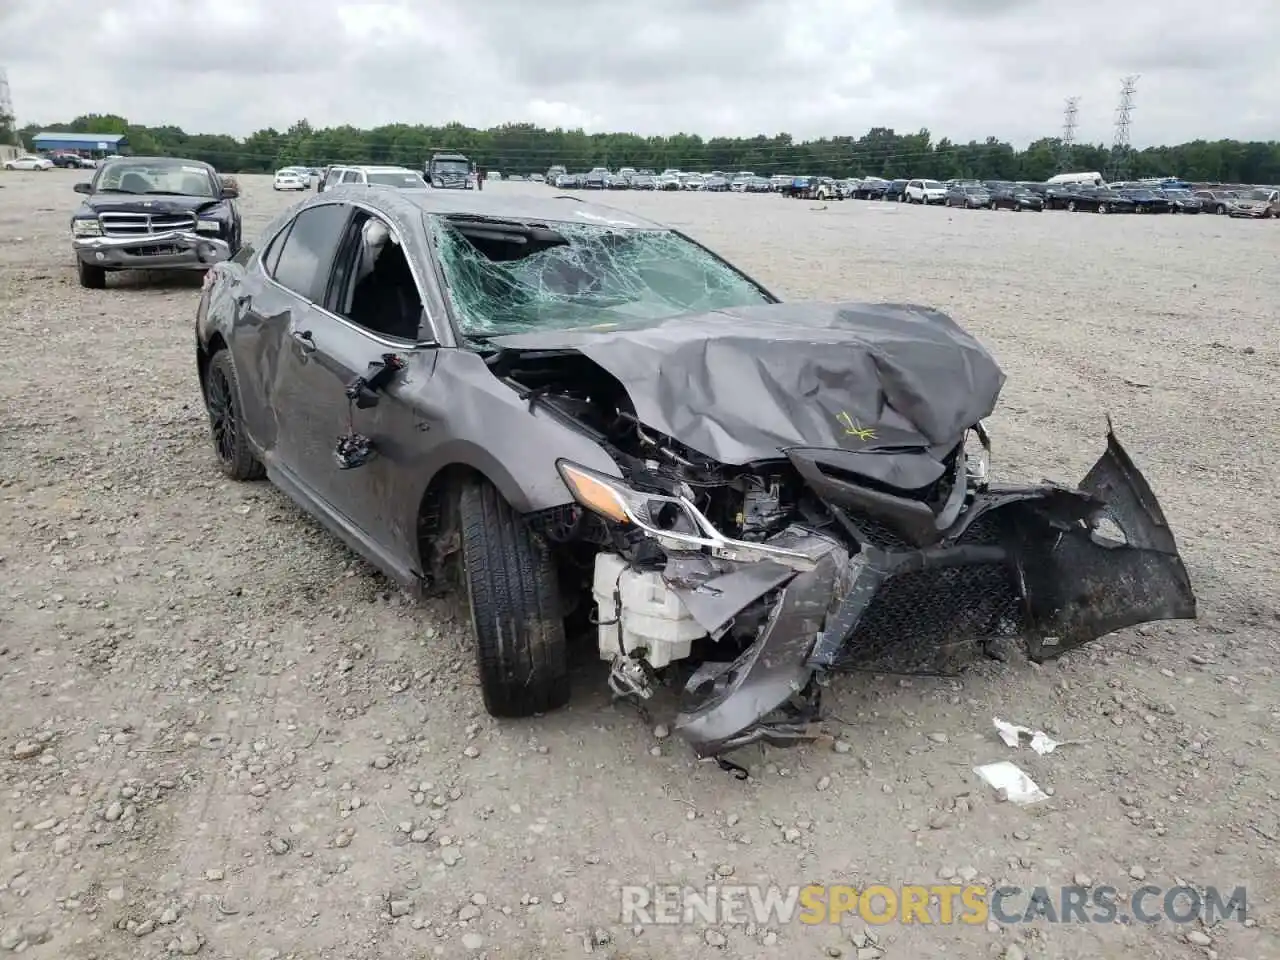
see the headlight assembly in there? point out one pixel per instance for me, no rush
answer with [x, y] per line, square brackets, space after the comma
[86, 228]
[672, 521]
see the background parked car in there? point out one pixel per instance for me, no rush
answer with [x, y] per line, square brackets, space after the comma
[894, 191]
[1100, 200]
[292, 178]
[924, 191]
[1147, 201]
[29, 162]
[872, 188]
[1261, 203]
[1216, 201]
[1015, 197]
[1182, 201]
[971, 196]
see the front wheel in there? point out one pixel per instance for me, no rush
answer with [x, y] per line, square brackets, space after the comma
[1071, 206]
[1222, 209]
[91, 277]
[1103, 208]
[513, 592]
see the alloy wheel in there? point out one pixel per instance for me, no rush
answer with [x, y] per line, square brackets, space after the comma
[222, 415]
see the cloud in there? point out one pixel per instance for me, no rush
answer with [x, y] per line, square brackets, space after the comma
[964, 69]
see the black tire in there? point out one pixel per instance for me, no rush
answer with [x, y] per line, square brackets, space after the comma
[1071, 206]
[226, 428]
[91, 277]
[1104, 208]
[512, 589]
[1221, 210]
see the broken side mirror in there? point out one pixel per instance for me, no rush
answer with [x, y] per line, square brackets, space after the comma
[83, 187]
[229, 191]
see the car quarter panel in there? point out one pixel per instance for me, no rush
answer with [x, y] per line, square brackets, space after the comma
[468, 417]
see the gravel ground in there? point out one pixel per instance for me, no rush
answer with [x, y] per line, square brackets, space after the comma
[224, 735]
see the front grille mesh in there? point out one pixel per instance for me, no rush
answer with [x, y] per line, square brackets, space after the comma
[143, 224]
[933, 621]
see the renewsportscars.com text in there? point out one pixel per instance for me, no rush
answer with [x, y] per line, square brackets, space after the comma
[933, 904]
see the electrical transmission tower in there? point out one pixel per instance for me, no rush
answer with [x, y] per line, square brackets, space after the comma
[6, 103]
[1068, 133]
[1124, 116]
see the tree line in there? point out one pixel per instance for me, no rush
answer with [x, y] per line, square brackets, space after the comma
[525, 148]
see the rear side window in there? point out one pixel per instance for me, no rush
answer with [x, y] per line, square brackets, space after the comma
[307, 252]
[351, 176]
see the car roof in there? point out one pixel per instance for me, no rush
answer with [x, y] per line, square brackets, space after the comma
[561, 209]
[372, 168]
[136, 159]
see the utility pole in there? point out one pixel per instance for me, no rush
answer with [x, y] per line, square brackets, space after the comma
[1124, 116]
[6, 109]
[1068, 134]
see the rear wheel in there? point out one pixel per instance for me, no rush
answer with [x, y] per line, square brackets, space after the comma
[226, 425]
[1104, 208]
[1071, 206]
[1222, 208]
[91, 277]
[513, 593]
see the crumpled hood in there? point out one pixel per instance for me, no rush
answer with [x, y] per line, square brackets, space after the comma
[743, 384]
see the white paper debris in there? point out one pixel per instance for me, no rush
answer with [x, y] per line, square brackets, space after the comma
[1013, 785]
[1012, 735]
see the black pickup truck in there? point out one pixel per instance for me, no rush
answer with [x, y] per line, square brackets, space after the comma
[153, 213]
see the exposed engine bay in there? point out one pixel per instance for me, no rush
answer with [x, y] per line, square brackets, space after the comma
[897, 555]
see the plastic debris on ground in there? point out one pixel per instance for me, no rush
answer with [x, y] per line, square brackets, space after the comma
[1010, 783]
[1012, 735]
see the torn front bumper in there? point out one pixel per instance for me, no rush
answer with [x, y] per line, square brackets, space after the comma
[171, 250]
[1054, 566]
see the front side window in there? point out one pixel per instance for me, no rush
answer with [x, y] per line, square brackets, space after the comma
[373, 283]
[511, 276]
[307, 253]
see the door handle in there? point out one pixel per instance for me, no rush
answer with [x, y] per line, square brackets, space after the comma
[304, 340]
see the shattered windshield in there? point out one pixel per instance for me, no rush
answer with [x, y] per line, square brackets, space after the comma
[155, 176]
[506, 276]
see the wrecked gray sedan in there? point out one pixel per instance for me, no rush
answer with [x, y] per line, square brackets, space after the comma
[597, 426]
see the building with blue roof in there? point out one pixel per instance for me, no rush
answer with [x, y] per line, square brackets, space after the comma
[104, 143]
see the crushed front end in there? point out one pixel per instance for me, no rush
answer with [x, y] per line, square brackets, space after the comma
[802, 488]
[767, 577]
[125, 241]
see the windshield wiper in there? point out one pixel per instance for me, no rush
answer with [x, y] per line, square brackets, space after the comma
[175, 193]
[132, 193]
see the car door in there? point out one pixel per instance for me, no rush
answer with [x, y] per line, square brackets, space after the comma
[263, 312]
[365, 495]
[297, 281]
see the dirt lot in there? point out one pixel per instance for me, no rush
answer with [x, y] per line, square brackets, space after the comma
[224, 735]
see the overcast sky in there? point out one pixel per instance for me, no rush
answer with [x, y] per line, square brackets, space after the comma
[962, 68]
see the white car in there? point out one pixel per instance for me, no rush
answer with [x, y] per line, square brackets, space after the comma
[28, 163]
[291, 178]
[925, 191]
